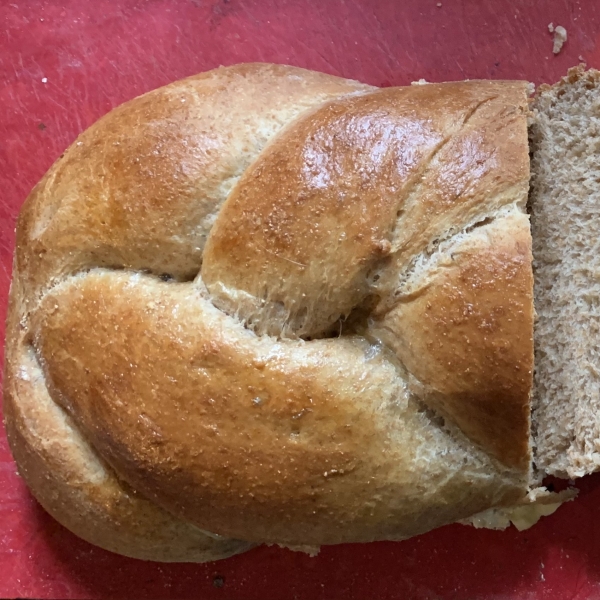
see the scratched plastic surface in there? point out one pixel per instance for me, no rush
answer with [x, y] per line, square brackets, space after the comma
[64, 64]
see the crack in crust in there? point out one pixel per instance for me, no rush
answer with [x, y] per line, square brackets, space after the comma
[425, 184]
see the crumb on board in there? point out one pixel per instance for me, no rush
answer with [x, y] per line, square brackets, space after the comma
[551, 27]
[560, 37]
[420, 82]
[439, 5]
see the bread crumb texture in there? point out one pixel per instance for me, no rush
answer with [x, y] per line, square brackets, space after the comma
[565, 216]
[560, 37]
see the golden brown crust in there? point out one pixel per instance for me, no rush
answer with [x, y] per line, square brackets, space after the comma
[288, 442]
[73, 484]
[158, 166]
[88, 499]
[325, 194]
[465, 333]
[166, 162]
[361, 179]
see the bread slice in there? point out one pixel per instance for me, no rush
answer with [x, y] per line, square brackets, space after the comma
[565, 220]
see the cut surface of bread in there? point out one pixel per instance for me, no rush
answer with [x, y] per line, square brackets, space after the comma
[565, 219]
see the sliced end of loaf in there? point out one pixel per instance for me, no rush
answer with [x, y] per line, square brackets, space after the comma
[565, 218]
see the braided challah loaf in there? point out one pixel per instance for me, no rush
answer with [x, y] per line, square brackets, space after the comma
[271, 305]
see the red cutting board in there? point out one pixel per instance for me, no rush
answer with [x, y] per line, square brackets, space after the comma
[64, 64]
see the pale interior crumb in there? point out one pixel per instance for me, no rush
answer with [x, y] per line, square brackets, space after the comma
[565, 196]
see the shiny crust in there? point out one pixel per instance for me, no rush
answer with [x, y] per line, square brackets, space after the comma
[461, 332]
[208, 379]
[76, 486]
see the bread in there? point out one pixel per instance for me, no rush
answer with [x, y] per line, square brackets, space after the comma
[270, 305]
[565, 140]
